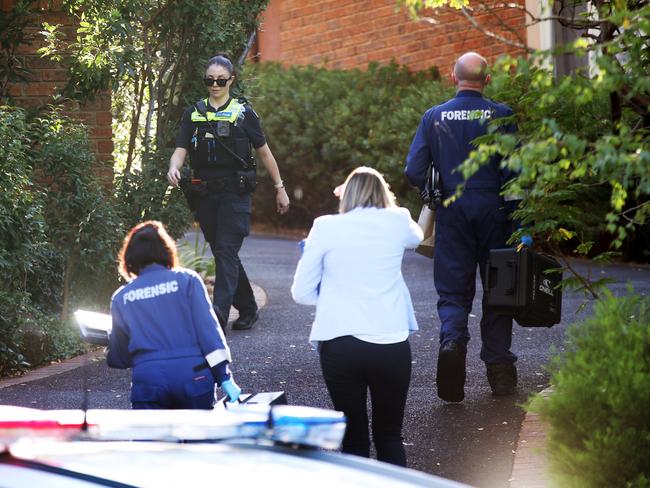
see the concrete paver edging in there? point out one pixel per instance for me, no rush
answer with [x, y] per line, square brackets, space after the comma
[530, 465]
[53, 369]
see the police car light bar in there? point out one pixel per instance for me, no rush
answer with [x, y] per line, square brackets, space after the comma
[305, 426]
[308, 426]
[21, 422]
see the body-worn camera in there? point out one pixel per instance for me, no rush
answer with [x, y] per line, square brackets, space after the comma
[223, 128]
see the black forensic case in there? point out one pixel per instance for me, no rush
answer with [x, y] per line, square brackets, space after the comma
[519, 284]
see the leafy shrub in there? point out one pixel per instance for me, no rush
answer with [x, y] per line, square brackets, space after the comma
[22, 230]
[145, 194]
[197, 256]
[321, 124]
[82, 223]
[586, 176]
[62, 338]
[13, 305]
[22, 234]
[58, 234]
[599, 427]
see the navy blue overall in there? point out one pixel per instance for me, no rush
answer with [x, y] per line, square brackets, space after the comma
[164, 327]
[475, 223]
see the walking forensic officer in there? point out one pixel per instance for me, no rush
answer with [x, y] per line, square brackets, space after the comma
[218, 133]
[164, 327]
[467, 229]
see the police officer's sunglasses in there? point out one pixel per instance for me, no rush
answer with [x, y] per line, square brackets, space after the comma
[219, 81]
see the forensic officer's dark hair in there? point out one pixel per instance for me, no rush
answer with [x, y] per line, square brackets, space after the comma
[146, 243]
[223, 60]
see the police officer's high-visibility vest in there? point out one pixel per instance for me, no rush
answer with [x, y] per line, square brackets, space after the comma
[217, 140]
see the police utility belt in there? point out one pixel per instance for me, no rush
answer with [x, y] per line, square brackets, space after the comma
[241, 182]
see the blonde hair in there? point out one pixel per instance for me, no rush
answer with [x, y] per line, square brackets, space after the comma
[366, 187]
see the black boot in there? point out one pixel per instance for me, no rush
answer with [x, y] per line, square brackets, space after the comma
[450, 375]
[245, 321]
[502, 378]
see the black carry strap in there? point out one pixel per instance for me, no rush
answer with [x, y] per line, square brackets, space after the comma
[201, 107]
[432, 187]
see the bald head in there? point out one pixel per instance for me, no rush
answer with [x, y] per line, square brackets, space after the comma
[470, 71]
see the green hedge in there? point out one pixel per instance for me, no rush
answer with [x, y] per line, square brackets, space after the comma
[322, 123]
[145, 194]
[598, 412]
[58, 234]
[23, 246]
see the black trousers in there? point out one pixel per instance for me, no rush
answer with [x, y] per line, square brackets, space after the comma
[352, 367]
[225, 221]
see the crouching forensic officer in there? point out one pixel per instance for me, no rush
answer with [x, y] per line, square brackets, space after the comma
[164, 327]
[218, 133]
[467, 229]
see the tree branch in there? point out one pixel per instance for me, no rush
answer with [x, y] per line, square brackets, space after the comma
[171, 88]
[149, 79]
[505, 26]
[625, 213]
[135, 119]
[494, 35]
[584, 281]
[249, 44]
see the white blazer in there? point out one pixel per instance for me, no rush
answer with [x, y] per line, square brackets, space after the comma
[356, 258]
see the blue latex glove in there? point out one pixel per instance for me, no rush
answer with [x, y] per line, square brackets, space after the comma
[526, 240]
[231, 389]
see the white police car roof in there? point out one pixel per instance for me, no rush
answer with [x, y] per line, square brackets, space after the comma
[244, 446]
[156, 464]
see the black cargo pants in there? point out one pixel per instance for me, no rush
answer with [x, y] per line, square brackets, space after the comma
[224, 218]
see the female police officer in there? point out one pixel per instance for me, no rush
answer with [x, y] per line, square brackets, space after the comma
[164, 327]
[218, 133]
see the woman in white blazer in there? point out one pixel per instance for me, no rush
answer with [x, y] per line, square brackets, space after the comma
[351, 271]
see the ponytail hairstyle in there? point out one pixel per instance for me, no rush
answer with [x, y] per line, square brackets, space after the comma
[223, 60]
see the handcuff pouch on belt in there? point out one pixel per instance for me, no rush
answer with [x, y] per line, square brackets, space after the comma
[193, 189]
[246, 180]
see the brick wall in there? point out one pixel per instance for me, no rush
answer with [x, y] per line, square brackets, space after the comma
[47, 78]
[346, 34]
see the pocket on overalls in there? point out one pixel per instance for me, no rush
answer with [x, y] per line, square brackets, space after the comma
[147, 396]
[200, 392]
